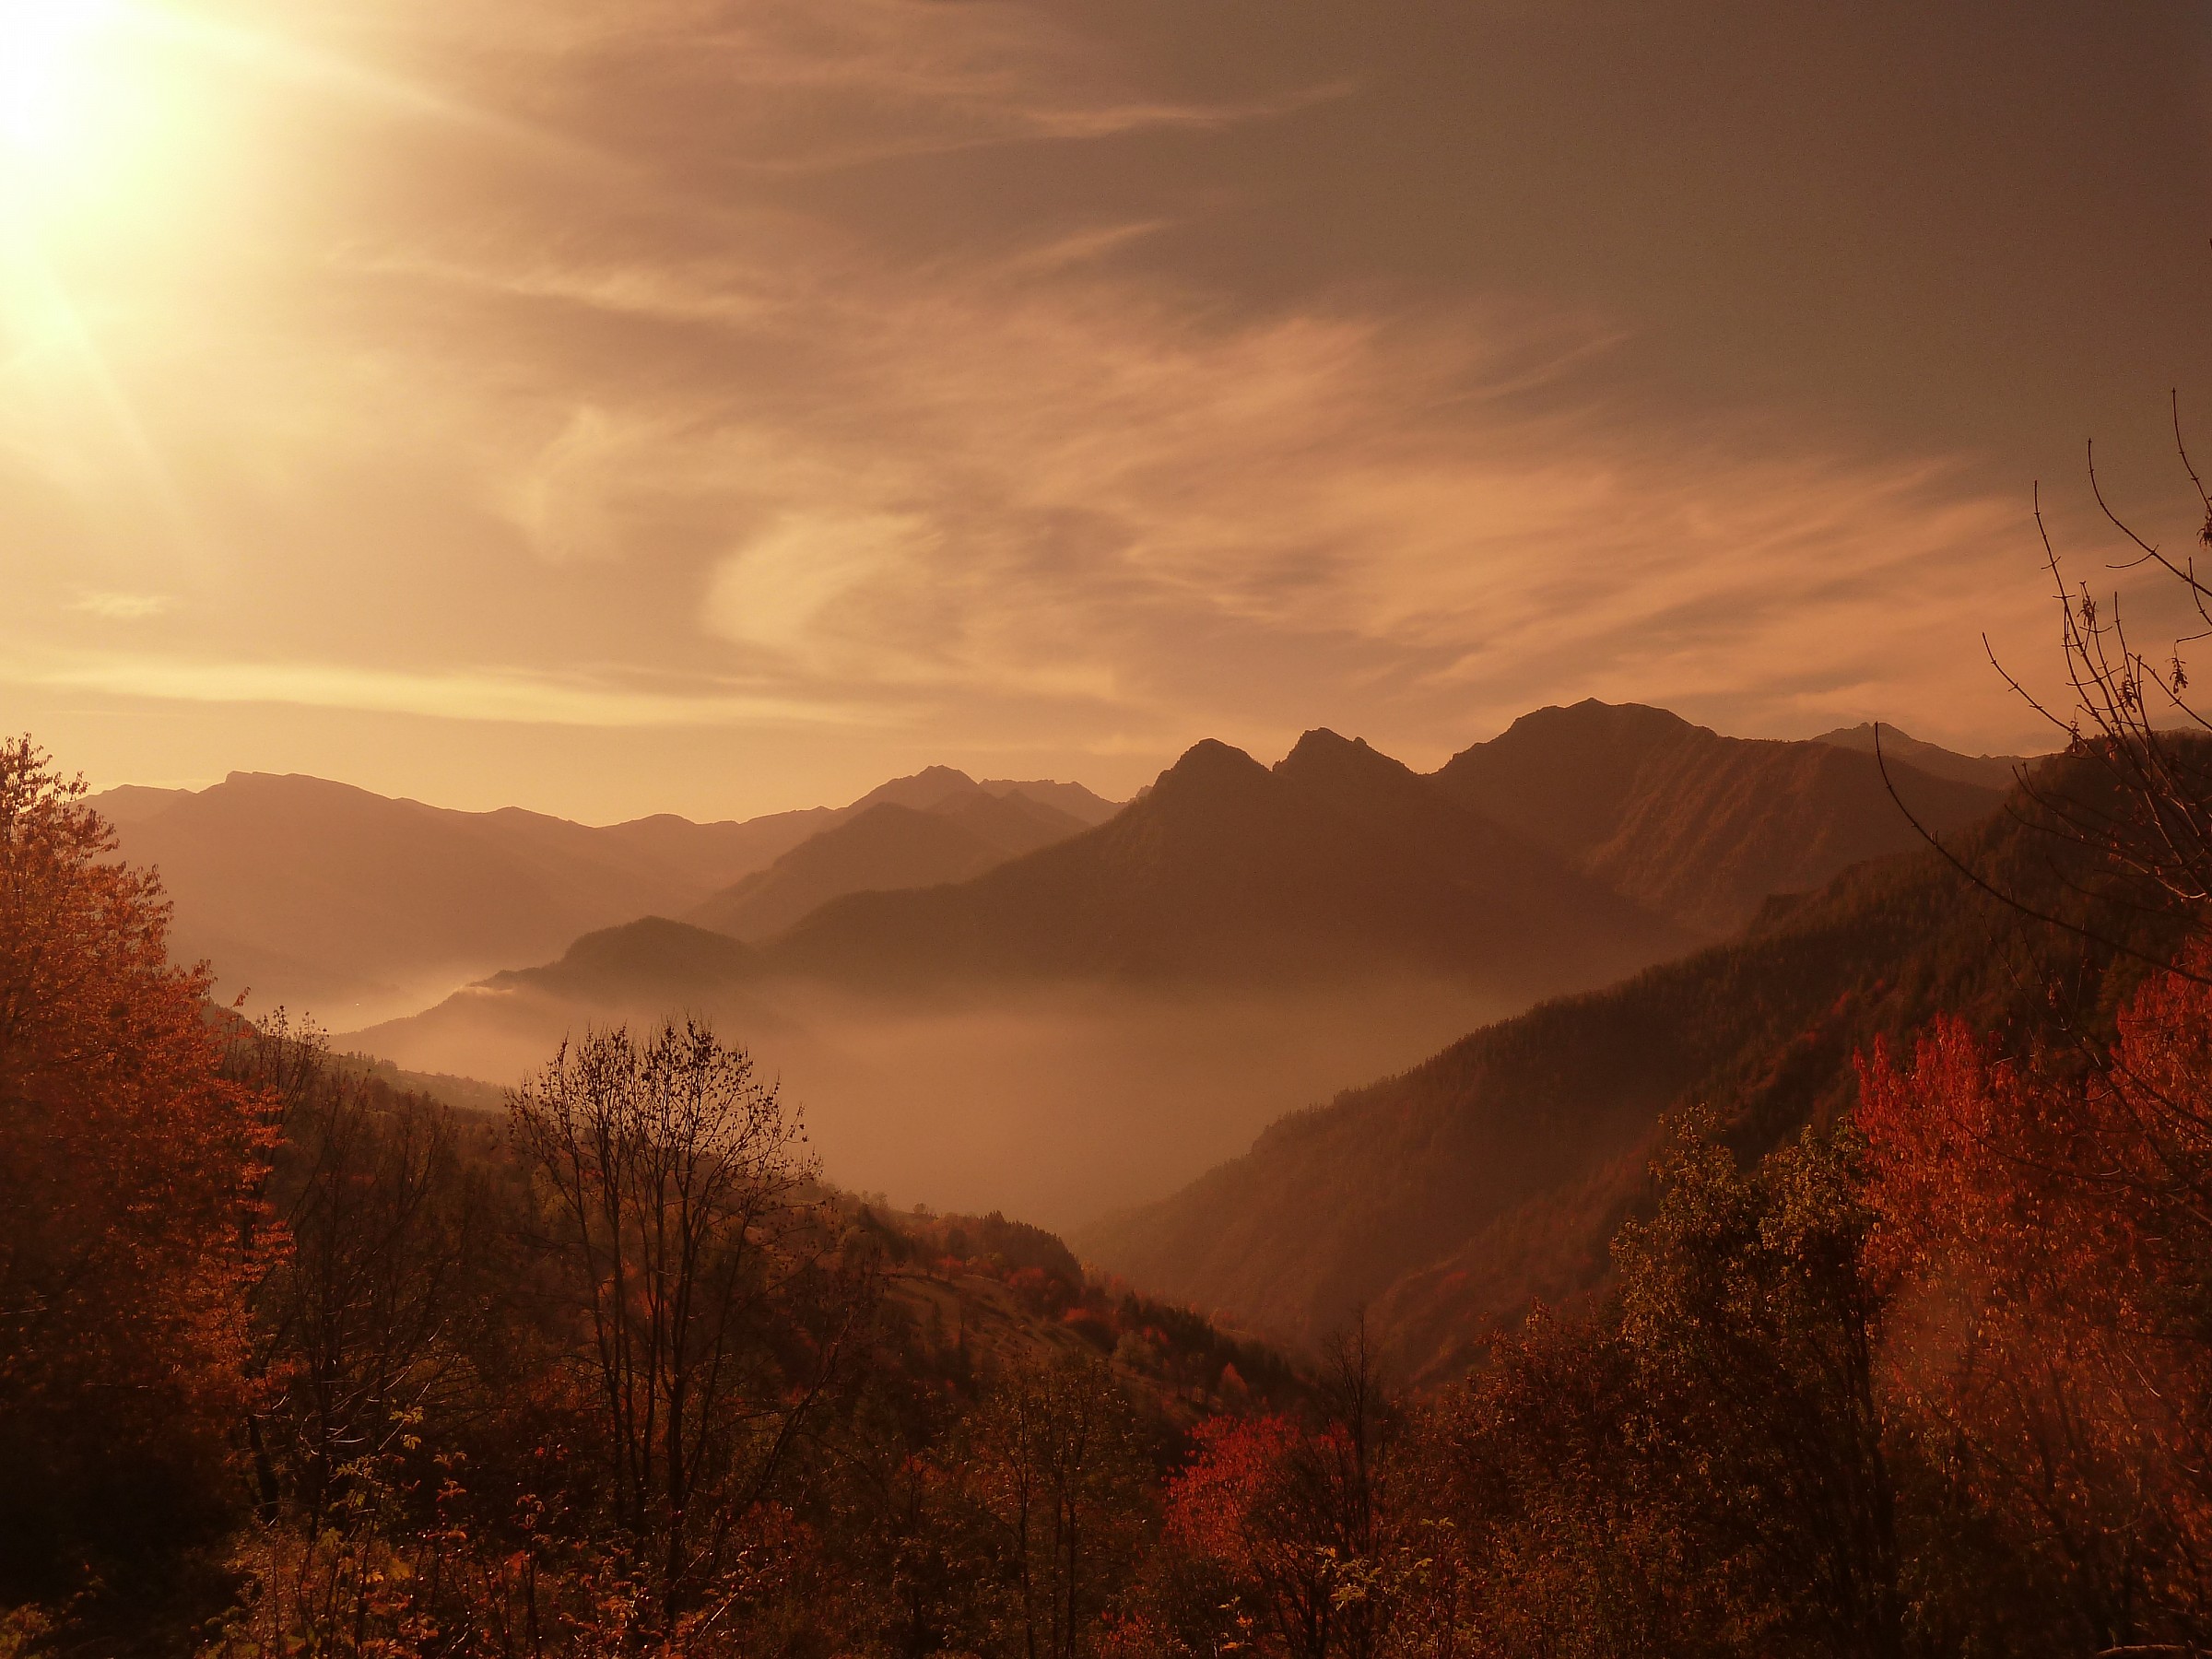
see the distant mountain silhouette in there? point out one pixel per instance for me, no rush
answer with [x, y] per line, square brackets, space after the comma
[1338, 887]
[966, 831]
[1336, 863]
[935, 788]
[354, 906]
[641, 970]
[1694, 826]
[1447, 1198]
[1073, 799]
[1337, 866]
[1992, 771]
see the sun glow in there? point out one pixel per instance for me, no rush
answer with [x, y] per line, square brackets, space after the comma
[47, 95]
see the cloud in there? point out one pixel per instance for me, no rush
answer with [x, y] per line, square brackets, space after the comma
[123, 607]
[791, 86]
[990, 482]
[645, 428]
[494, 696]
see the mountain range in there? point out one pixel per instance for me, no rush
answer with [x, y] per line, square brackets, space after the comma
[358, 907]
[1238, 940]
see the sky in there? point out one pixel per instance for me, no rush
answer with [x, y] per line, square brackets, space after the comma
[612, 407]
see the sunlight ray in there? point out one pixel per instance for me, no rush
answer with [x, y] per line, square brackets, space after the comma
[46, 320]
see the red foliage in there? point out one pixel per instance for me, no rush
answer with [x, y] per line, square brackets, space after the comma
[2043, 1236]
[1237, 1469]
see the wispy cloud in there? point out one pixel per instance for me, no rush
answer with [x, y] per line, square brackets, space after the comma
[496, 695]
[122, 608]
[638, 428]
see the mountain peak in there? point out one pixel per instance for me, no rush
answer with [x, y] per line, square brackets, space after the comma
[923, 790]
[1322, 741]
[1992, 771]
[1604, 721]
[1323, 757]
[1210, 758]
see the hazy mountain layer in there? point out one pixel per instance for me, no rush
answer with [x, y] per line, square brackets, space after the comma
[1992, 771]
[1101, 1018]
[1053, 1102]
[1447, 1198]
[1337, 864]
[1695, 826]
[356, 907]
[1107, 1016]
[889, 845]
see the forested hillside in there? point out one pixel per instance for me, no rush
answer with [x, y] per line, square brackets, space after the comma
[294, 1360]
[1447, 1198]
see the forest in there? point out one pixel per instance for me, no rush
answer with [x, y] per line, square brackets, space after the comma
[293, 1361]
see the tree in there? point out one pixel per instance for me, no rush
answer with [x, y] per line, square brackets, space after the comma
[681, 1201]
[1061, 1477]
[129, 1165]
[386, 1226]
[1700, 1468]
[2045, 1235]
[2135, 794]
[1285, 1527]
[1750, 1317]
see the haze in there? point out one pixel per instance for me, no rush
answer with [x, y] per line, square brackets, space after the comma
[718, 408]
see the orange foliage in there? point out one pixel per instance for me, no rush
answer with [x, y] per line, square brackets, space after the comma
[130, 1166]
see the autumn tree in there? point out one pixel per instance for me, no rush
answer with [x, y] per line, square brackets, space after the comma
[1701, 1466]
[682, 1203]
[2045, 1232]
[1747, 1309]
[129, 1165]
[1284, 1529]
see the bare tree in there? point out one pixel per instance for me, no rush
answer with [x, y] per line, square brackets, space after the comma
[684, 1203]
[2134, 793]
[1064, 1475]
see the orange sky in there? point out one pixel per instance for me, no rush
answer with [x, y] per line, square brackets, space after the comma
[612, 408]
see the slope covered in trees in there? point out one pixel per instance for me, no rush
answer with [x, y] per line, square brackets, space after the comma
[130, 1168]
[1447, 1198]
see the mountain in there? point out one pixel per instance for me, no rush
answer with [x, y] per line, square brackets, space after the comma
[1073, 799]
[354, 906]
[351, 904]
[1992, 771]
[1337, 862]
[511, 1022]
[1099, 1020]
[1695, 826]
[1447, 1198]
[936, 787]
[1106, 1017]
[965, 832]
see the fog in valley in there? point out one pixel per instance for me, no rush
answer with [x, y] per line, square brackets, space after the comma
[1058, 1105]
